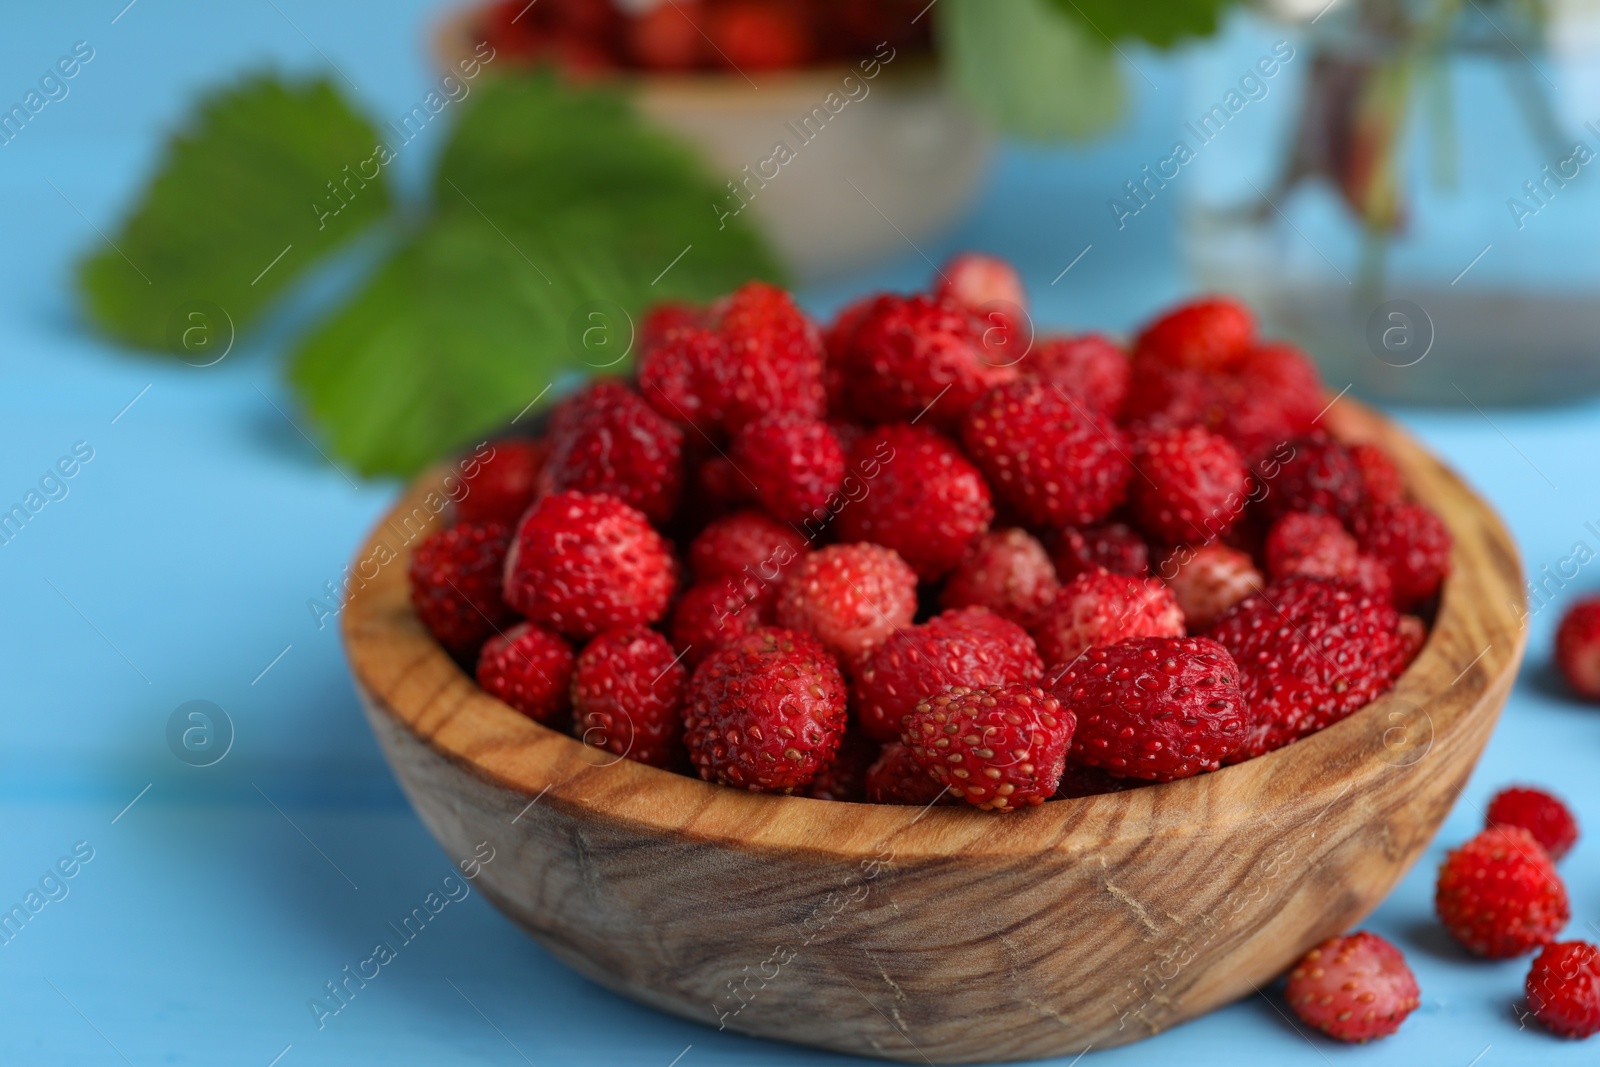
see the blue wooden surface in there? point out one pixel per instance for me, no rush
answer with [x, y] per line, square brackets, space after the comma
[178, 565]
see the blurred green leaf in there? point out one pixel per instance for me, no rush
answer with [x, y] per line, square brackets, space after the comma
[1162, 23]
[240, 183]
[1030, 72]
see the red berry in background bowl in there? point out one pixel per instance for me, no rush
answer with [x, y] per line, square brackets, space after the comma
[796, 464]
[1353, 988]
[1499, 894]
[606, 439]
[1209, 580]
[582, 563]
[1191, 487]
[627, 696]
[1115, 547]
[500, 487]
[1578, 648]
[1159, 708]
[1542, 815]
[896, 778]
[1312, 473]
[978, 282]
[710, 615]
[1563, 988]
[529, 668]
[760, 34]
[999, 748]
[1099, 608]
[745, 546]
[1413, 545]
[766, 713]
[1208, 334]
[455, 585]
[1008, 572]
[851, 597]
[1093, 369]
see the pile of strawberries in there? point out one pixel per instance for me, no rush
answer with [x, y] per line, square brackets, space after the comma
[1500, 897]
[924, 556]
[592, 37]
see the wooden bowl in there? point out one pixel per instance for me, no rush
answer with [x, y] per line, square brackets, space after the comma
[913, 154]
[947, 935]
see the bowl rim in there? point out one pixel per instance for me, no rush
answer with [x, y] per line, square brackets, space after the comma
[1473, 649]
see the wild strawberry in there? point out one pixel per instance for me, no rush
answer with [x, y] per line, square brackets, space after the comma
[1008, 572]
[967, 646]
[744, 545]
[1499, 894]
[1191, 488]
[1413, 634]
[1318, 546]
[760, 34]
[1159, 708]
[1045, 456]
[1318, 475]
[1093, 368]
[844, 778]
[999, 748]
[1563, 988]
[1114, 546]
[979, 282]
[851, 597]
[581, 563]
[1353, 988]
[665, 37]
[455, 585]
[529, 668]
[1413, 544]
[718, 488]
[1578, 648]
[1272, 394]
[919, 355]
[796, 463]
[1378, 474]
[500, 487]
[677, 373]
[896, 778]
[1310, 652]
[774, 361]
[1099, 608]
[664, 318]
[627, 695]
[1539, 813]
[766, 713]
[1208, 580]
[1207, 334]
[606, 439]
[711, 615]
[928, 503]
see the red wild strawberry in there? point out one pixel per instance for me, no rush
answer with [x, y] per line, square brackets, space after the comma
[1310, 652]
[1099, 608]
[1207, 334]
[606, 439]
[529, 668]
[1353, 988]
[774, 361]
[1578, 648]
[1008, 572]
[978, 282]
[1045, 456]
[500, 487]
[677, 374]
[928, 503]
[744, 545]
[583, 563]
[919, 355]
[968, 646]
[1499, 894]
[665, 37]
[766, 713]
[1094, 369]
[1159, 708]
[663, 319]
[627, 696]
[1539, 813]
[1114, 547]
[796, 464]
[1271, 395]
[851, 597]
[999, 748]
[1316, 473]
[1379, 474]
[844, 778]
[713, 614]
[1191, 487]
[1208, 580]
[1563, 988]
[1319, 546]
[455, 585]
[760, 34]
[896, 778]
[718, 488]
[1413, 544]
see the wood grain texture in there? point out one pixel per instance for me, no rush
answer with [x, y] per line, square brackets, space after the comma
[949, 935]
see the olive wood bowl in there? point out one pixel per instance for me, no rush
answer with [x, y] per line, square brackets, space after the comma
[947, 935]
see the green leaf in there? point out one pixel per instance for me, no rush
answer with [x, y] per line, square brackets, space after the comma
[245, 181]
[1030, 72]
[557, 210]
[1162, 23]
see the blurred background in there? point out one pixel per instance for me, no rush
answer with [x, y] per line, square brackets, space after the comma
[263, 261]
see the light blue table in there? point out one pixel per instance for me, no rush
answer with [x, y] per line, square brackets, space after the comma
[218, 901]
